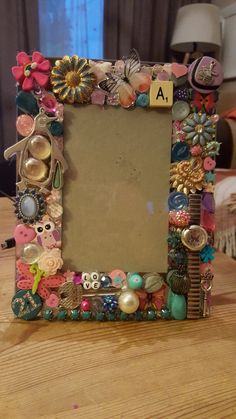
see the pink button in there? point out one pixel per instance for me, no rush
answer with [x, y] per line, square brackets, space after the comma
[24, 234]
[209, 163]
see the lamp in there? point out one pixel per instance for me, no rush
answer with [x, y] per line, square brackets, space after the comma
[197, 29]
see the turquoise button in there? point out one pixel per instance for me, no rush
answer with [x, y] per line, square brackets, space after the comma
[26, 305]
[135, 281]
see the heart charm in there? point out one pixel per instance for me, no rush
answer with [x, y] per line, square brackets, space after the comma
[179, 70]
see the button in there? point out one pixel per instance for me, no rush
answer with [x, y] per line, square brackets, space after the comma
[118, 278]
[26, 305]
[180, 151]
[180, 110]
[177, 201]
[209, 164]
[24, 234]
[135, 281]
[194, 238]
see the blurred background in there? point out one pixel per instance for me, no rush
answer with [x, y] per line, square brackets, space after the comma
[161, 31]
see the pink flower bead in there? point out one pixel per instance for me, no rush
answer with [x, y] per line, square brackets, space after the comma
[85, 305]
[196, 150]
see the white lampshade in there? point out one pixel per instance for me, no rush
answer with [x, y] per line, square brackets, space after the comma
[197, 27]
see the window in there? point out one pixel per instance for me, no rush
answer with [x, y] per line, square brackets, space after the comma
[71, 27]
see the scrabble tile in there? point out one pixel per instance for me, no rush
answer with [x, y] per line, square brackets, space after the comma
[161, 94]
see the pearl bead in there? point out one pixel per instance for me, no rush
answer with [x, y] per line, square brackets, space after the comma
[24, 125]
[85, 305]
[35, 169]
[128, 302]
[40, 147]
[31, 253]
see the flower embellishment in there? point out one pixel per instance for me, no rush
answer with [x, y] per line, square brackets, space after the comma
[204, 102]
[73, 80]
[50, 261]
[29, 275]
[30, 71]
[199, 128]
[188, 175]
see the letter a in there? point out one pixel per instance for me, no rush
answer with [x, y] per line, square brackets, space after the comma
[160, 93]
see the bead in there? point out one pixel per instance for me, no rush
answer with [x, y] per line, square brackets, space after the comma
[86, 315]
[135, 281]
[31, 253]
[110, 303]
[142, 100]
[77, 279]
[24, 234]
[95, 285]
[181, 94]
[165, 313]
[56, 128]
[124, 316]
[27, 103]
[194, 238]
[57, 180]
[86, 276]
[35, 169]
[105, 281]
[111, 316]
[152, 282]
[39, 147]
[180, 110]
[49, 103]
[85, 305]
[26, 305]
[151, 315]
[128, 301]
[94, 276]
[177, 201]
[48, 314]
[87, 285]
[100, 316]
[178, 307]
[138, 315]
[62, 315]
[74, 314]
[24, 125]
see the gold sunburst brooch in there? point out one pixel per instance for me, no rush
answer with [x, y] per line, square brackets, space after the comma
[187, 176]
[72, 79]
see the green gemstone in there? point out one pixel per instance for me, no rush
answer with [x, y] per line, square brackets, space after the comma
[86, 315]
[151, 315]
[138, 315]
[135, 281]
[165, 313]
[111, 316]
[178, 307]
[27, 103]
[62, 315]
[48, 314]
[74, 314]
[57, 177]
[100, 316]
[56, 128]
[124, 316]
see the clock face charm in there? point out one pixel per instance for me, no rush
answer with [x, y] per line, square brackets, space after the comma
[194, 238]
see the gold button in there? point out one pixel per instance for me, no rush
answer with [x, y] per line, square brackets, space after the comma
[194, 238]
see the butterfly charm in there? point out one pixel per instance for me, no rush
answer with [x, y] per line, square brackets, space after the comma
[28, 276]
[128, 82]
[156, 299]
[204, 102]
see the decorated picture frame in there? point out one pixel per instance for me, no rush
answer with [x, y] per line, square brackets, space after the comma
[115, 182]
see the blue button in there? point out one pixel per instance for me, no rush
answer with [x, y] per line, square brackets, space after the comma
[177, 201]
[180, 151]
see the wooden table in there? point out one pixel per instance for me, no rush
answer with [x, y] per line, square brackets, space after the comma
[163, 369]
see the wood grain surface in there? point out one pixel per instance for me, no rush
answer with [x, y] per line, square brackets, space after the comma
[163, 369]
